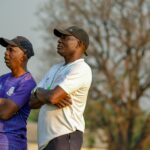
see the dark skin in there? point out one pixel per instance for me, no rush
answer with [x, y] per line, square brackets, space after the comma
[57, 97]
[16, 61]
[71, 49]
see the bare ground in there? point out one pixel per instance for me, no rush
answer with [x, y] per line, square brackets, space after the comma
[33, 146]
[32, 137]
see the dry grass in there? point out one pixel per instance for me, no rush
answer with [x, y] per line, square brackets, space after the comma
[33, 146]
[32, 137]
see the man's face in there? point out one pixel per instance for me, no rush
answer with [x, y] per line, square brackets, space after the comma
[13, 57]
[67, 45]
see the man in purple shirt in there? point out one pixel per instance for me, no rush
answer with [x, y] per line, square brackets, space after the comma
[15, 91]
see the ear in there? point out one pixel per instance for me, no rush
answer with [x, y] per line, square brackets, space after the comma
[24, 58]
[79, 43]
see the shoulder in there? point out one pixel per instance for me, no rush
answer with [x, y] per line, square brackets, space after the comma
[81, 66]
[83, 71]
[80, 71]
[5, 76]
[28, 78]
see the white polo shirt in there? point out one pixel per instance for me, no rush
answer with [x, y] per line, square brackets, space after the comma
[75, 78]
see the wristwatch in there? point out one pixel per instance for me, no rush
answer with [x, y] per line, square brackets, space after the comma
[35, 92]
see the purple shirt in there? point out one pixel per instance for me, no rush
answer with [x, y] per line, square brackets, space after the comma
[13, 130]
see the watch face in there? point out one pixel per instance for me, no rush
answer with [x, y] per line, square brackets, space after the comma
[35, 92]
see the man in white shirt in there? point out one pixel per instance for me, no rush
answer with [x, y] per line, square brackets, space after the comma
[62, 94]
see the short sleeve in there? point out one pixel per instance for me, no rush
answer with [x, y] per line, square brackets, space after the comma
[76, 78]
[22, 93]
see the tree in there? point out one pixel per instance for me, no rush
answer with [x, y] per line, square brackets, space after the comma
[119, 54]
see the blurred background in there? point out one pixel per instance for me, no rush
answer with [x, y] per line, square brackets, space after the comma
[118, 108]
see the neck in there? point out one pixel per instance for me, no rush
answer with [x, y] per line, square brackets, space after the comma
[18, 71]
[71, 59]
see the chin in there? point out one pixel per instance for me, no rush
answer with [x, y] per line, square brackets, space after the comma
[60, 53]
[9, 66]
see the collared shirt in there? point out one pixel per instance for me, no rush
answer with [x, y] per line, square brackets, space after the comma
[13, 130]
[75, 79]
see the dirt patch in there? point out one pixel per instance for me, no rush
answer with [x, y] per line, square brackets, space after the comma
[33, 146]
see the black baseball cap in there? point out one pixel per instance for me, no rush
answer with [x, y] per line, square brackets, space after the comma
[23, 43]
[75, 31]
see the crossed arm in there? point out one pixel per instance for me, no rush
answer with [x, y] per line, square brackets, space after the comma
[7, 108]
[57, 97]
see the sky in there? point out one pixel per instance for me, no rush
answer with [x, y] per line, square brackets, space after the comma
[17, 17]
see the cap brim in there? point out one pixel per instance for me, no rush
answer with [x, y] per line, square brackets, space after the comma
[59, 32]
[5, 42]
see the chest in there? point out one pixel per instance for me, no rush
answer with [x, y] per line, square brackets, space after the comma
[8, 87]
[55, 77]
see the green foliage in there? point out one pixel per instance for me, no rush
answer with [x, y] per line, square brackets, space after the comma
[91, 141]
[92, 115]
[33, 117]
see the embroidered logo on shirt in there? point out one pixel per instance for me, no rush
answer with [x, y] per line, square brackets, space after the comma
[10, 91]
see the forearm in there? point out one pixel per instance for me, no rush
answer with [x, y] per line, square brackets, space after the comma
[7, 108]
[43, 95]
[2, 103]
[34, 102]
[57, 97]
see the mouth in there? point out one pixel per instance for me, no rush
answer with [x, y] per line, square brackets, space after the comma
[6, 60]
[60, 46]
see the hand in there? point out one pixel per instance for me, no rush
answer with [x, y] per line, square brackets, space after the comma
[64, 102]
[40, 94]
[34, 103]
[32, 96]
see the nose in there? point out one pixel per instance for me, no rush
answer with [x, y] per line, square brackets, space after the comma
[6, 52]
[60, 40]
